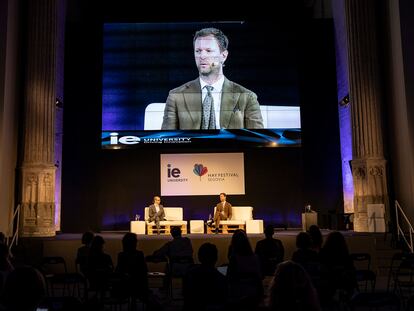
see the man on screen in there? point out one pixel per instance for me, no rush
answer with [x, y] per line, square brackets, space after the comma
[211, 101]
[156, 212]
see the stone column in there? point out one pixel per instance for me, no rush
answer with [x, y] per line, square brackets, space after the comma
[368, 163]
[37, 175]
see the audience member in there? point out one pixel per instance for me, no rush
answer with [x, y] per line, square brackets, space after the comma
[24, 289]
[316, 237]
[179, 247]
[205, 288]
[243, 273]
[131, 263]
[99, 265]
[306, 257]
[337, 268]
[270, 252]
[5, 265]
[292, 289]
[83, 251]
[304, 254]
[179, 252]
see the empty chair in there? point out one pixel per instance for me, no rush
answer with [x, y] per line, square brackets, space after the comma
[58, 278]
[396, 261]
[375, 301]
[53, 269]
[404, 279]
[363, 272]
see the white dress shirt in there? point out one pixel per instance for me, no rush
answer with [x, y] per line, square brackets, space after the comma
[216, 93]
[224, 203]
[157, 208]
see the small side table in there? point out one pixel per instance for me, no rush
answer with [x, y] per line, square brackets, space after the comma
[254, 226]
[138, 227]
[196, 226]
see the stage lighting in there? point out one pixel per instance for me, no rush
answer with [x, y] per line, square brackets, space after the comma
[344, 101]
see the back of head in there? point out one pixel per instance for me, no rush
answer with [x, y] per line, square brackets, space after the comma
[303, 240]
[269, 231]
[97, 244]
[176, 232]
[316, 235]
[24, 289]
[292, 288]
[335, 246]
[129, 242]
[240, 243]
[208, 254]
[87, 238]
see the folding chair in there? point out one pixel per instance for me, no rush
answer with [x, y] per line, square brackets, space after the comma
[365, 274]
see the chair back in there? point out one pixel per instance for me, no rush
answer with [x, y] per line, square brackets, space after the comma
[241, 213]
[361, 260]
[171, 213]
[53, 265]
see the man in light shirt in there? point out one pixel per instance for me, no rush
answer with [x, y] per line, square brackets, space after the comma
[156, 212]
[211, 101]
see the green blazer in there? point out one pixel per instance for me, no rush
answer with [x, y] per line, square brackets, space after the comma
[239, 107]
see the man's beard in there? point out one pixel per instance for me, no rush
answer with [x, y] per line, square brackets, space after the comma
[208, 71]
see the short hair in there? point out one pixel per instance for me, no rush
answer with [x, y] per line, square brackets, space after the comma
[156, 196]
[222, 40]
[222, 193]
[208, 254]
[87, 237]
[176, 231]
[129, 241]
[303, 240]
[97, 244]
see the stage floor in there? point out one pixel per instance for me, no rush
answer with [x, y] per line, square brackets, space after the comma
[66, 244]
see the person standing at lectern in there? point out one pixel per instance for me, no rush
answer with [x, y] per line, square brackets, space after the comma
[156, 212]
[223, 211]
[211, 101]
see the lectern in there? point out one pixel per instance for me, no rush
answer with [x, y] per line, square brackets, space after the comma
[309, 219]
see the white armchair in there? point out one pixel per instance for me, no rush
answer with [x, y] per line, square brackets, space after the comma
[173, 216]
[239, 216]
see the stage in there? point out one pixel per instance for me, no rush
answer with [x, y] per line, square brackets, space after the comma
[66, 244]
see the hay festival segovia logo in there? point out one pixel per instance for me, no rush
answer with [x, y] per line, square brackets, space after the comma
[200, 170]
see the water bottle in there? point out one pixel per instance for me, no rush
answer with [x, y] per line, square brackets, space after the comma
[136, 217]
[209, 217]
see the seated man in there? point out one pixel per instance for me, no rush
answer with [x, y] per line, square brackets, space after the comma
[223, 211]
[179, 251]
[270, 252]
[156, 212]
[204, 287]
